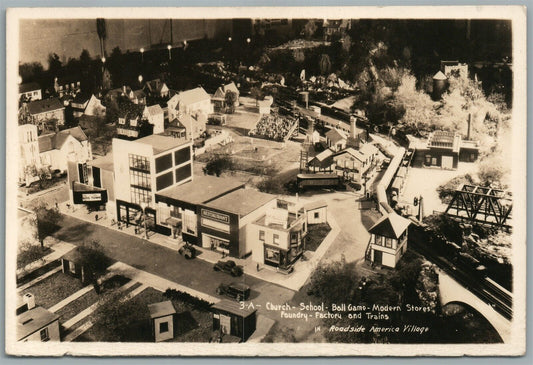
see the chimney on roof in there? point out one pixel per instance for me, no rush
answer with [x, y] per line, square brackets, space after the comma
[29, 300]
[352, 126]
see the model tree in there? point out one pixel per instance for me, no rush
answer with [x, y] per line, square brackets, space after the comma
[47, 220]
[94, 262]
[230, 98]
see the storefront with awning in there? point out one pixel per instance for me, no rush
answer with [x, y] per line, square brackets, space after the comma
[93, 197]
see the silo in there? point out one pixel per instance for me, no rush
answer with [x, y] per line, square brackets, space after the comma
[440, 83]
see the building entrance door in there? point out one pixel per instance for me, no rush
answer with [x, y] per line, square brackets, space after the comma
[378, 257]
[447, 162]
[225, 324]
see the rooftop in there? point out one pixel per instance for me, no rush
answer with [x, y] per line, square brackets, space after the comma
[193, 96]
[233, 307]
[242, 202]
[444, 139]
[336, 135]
[28, 86]
[161, 309]
[391, 226]
[51, 141]
[203, 189]
[33, 320]
[161, 143]
[45, 105]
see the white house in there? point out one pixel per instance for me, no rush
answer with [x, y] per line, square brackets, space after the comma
[157, 88]
[388, 240]
[155, 116]
[55, 149]
[94, 107]
[194, 102]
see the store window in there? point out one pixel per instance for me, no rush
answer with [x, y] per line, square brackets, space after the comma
[140, 195]
[272, 255]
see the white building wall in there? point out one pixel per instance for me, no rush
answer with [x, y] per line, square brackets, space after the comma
[53, 333]
[322, 216]
[166, 335]
[246, 234]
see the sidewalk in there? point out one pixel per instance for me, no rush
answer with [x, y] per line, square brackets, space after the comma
[293, 281]
[59, 249]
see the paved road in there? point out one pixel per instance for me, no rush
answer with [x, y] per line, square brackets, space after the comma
[158, 260]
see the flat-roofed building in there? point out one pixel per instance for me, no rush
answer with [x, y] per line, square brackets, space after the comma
[38, 324]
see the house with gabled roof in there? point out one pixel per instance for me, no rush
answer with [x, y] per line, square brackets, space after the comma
[388, 240]
[156, 88]
[56, 149]
[192, 127]
[155, 116]
[195, 102]
[219, 97]
[336, 139]
[94, 107]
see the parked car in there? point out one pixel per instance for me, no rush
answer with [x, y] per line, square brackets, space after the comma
[236, 291]
[229, 267]
[187, 251]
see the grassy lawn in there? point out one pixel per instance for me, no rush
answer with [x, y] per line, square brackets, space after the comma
[90, 298]
[30, 254]
[315, 235]
[191, 324]
[54, 289]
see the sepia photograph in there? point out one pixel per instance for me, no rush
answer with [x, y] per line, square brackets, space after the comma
[221, 181]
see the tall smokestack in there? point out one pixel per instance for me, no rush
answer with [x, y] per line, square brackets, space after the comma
[469, 124]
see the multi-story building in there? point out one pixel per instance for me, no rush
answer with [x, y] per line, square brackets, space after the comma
[143, 168]
[35, 323]
[29, 153]
[57, 149]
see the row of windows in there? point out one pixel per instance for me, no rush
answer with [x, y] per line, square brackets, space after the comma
[383, 241]
[139, 162]
[140, 195]
[275, 237]
[141, 179]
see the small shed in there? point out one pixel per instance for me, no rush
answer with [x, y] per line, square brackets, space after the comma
[230, 319]
[71, 264]
[162, 320]
[317, 212]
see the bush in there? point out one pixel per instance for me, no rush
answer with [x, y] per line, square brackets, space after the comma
[218, 164]
[178, 295]
[447, 190]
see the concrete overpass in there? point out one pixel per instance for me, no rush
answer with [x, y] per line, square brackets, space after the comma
[451, 291]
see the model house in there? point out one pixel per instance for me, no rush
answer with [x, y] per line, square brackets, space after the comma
[129, 119]
[29, 153]
[229, 319]
[30, 91]
[156, 88]
[43, 112]
[154, 115]
[162, 320]
[56, 149]
[94, 107]
[37, 324]
[194, 102]
[388, 240]
[336, 139]
[219, 97]
[191, 126]
[445, 149]
[79, 104]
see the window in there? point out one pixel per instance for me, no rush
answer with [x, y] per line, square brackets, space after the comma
[175, 212]
[163, 181]
[133, 122]
[388, 242]
[272, 255]
[140, 195]
[140, 179]
[275, 239]
[317, 215]
[122, 121]
[262, 236]
[163, 327]
[45, 336]
[183, 173]
[182, 156]
[139, 163]
[163, 163]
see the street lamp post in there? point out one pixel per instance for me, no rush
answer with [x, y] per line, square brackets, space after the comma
[143, 207]
[169, 47]
[142, 54]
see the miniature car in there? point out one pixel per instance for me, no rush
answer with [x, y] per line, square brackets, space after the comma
[229, 267]
[236, 291]
[187, 251]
